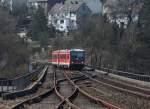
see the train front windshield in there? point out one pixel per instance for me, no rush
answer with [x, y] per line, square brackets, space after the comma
[79, 55]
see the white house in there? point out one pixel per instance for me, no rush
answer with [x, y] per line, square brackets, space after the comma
[64, 17]
[121, 15]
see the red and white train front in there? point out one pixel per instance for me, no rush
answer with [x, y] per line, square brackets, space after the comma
[73, 58]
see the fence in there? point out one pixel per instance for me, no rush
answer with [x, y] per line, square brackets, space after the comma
[135, 76]
[140, 77]
[19, 83]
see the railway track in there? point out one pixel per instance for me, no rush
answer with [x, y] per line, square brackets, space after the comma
[120, 86]
[95, 103]
[50, 101]
[72, 89]
[12, 102]
[50, 98]
[64, 94]
[126, 95]
[67, 95]
[140, 77]
[42, 91]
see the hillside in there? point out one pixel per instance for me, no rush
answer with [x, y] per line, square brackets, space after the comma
[13, 53]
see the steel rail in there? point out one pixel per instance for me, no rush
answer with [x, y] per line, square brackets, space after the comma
[102, 102]
[45, 94]
[131, 75]
[129, 86]
[30, 90]
[63, 99]
[139, 94]
[34, 99]
[18, 83]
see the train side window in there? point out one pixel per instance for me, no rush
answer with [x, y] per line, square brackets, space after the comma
[54, 56]
[62, 56]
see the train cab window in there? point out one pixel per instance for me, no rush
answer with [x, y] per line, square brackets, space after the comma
[78, 54]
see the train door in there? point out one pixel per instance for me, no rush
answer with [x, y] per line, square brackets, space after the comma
[54, 59]
[68, 59]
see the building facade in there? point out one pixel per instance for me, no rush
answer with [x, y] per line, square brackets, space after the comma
[124, 14]
[64, 16]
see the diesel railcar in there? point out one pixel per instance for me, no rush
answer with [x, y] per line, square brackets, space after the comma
[69, 58]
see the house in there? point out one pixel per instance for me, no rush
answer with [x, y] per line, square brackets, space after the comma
[94, 5]
[34, 4]
[64, 16]
[122, 15]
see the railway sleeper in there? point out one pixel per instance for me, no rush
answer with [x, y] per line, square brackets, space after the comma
[96, 100]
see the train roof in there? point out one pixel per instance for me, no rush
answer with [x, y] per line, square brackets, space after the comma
[68, 50]
[65, 50]
[76, 50]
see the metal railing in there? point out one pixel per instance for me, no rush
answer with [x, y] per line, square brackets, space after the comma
[19, 83]
[135, 76]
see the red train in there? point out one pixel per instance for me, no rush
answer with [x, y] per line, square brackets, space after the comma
[69, 58]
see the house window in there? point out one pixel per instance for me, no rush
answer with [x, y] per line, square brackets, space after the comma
[66, 14]
[55, 21]
[72, 13]
[61, 21]
[76, 2]
[84, 8]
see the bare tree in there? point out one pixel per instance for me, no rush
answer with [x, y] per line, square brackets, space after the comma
[13, 52]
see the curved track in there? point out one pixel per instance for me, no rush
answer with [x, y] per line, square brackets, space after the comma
[63, 95]
[18, 100]
[102, 103]
[66, 91]
[41, 92]
[124, 94]
[123, 87]
[69, 95]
